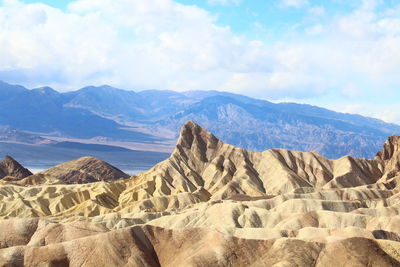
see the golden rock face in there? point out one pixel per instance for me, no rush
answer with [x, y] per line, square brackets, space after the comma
[209, 204]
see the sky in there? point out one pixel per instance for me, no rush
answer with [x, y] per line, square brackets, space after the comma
[339, 54]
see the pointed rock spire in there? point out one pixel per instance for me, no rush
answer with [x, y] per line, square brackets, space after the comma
[196, 139]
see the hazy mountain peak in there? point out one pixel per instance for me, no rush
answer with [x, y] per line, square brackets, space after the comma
[8, 91]
[103, 88]
[8, 85]
[45, 90]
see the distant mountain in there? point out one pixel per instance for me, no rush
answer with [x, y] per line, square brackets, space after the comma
[127, 106]
[262, 125]
[153, 117]
[12, 135]
[46, 111]
[102, 101]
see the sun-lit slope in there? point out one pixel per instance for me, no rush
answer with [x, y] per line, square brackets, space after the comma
[202, 162]
[242, 202]
[39, 243]
[202, 169]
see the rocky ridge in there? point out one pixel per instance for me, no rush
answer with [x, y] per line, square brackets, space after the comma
[211, 203]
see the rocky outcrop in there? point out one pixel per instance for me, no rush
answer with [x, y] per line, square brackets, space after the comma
[10, 167]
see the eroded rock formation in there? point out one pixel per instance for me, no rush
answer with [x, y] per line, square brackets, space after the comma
[211, 204]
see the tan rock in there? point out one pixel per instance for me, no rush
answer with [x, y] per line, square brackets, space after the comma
[209, 204]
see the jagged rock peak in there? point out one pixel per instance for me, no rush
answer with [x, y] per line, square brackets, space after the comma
[390, 148]
[10, 167]
[193, 134]
[195, 141]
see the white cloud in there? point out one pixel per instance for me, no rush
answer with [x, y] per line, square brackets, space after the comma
[387, 113]
[317, 11]
[132, 44]
[293, 3]
[370, 4]
[224, 2]
[351, 91]
[315, 29]
[136, 44]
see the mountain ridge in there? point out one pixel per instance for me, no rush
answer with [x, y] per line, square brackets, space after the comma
[153, 117]
[199, 155]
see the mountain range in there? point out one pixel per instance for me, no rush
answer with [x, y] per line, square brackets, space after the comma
[150, 120]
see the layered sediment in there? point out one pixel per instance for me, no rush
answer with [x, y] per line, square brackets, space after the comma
[210, 203]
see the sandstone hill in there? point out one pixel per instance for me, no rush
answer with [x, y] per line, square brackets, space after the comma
[212, 204]
[78, 171]
[11, 169]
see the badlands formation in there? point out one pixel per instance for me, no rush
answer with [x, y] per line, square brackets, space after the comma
[209, 204]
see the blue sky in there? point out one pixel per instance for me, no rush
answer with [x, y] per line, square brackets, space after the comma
[339, 54]
[246, 16]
